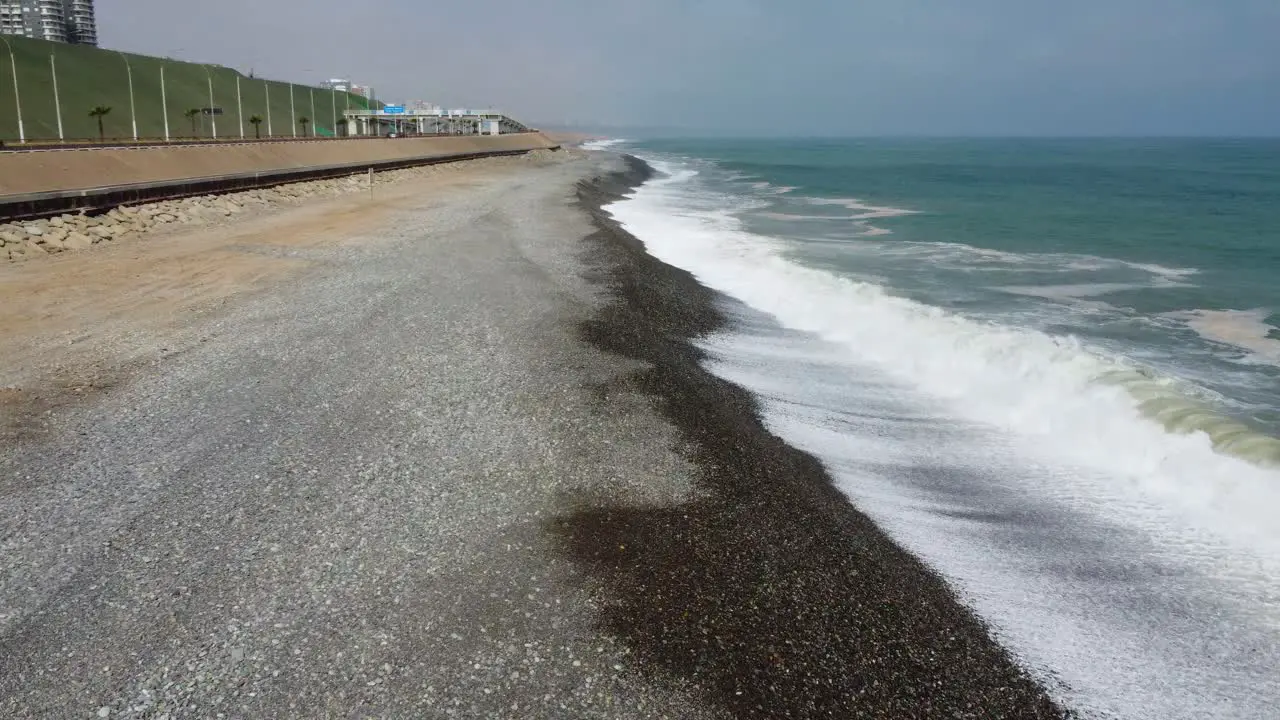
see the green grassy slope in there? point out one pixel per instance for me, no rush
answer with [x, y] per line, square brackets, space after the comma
[88, 77]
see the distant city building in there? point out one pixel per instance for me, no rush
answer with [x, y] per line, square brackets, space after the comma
[422, 107]
[70, 21]
[342, 85]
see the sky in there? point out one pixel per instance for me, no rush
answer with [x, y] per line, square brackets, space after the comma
[763, 67]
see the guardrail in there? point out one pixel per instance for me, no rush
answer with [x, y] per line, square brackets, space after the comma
[32, 206]
[118, 143]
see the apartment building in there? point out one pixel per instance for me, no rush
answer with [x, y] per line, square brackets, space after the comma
[69, 21]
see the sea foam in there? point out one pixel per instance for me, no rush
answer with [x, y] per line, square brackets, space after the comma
[1115, 530]
[1079, 405]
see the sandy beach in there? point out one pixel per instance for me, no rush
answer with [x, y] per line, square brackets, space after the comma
[445, 453]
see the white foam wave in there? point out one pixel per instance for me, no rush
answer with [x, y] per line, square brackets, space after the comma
[1244, 329]
[1039, 426]
[863, 210]
[770, 188]
[873, 231]
[1069, 292]
[864, 228]
[1078, 405]
[959, 256]
[604, 144]
[1168, 272]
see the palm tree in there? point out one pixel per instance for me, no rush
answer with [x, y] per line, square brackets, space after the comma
[100, 112]
[303, 122]
[191, 115]
[256, 122]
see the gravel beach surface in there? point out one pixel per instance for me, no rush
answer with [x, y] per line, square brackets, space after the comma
[468, 467]
[769, 592]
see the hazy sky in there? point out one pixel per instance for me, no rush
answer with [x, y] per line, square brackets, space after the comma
[940, 67]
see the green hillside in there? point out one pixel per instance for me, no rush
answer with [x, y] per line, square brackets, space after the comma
[89, 77]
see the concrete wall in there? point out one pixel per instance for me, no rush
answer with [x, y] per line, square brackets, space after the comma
[53, 170]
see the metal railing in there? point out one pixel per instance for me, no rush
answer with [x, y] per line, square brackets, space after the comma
[151, 142]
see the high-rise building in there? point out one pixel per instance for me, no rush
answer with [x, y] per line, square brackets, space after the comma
[57, 20]
[81, 25]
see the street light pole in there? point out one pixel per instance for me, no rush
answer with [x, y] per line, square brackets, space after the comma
[164, 103]
[333, 107]
[57, 102]
[133, 111]
[213, 116]
[267, 88]
[17, 99]
[312, 91]
[164, 98]
[293, 114]
[239, 106]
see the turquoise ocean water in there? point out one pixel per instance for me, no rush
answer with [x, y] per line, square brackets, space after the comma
[1048, 367]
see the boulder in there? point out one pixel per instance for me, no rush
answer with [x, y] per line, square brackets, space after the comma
[56, 234]
[50, 244]
[77, 241]
[11, 238]
[100, 231]
[57, 222]
[165, 218]
[33, 230]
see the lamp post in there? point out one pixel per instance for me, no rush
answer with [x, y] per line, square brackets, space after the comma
[239, 106]
[57, 102]
[164, 103]
[312, 92]
[293, 114]
[267, 88]
[17, 99]
[164, 96]
[133, 110]
[213, 116]
[333, 106]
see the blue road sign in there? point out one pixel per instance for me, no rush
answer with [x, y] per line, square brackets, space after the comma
[393, 109]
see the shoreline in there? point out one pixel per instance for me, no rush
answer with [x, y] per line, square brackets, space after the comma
[770, 594]
[451, 451]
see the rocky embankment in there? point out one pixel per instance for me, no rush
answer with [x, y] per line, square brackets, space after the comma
[76, 232]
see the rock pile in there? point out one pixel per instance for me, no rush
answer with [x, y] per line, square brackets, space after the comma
[66, 233]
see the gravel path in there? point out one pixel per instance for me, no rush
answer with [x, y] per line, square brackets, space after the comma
[333, 505]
